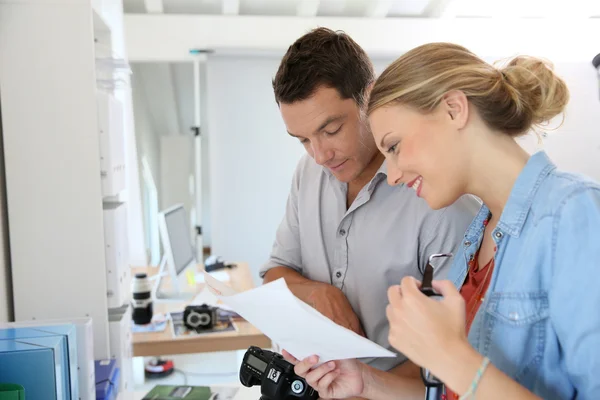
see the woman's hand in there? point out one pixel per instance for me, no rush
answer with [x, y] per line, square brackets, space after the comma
[424, 329]
[334, 379]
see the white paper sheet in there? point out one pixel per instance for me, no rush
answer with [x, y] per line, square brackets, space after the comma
[294, 325]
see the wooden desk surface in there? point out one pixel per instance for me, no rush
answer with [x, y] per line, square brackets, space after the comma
[163, 343]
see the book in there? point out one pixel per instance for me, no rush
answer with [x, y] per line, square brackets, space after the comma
[188, 392]
[158, 324]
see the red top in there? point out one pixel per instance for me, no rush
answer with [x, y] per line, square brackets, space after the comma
[473, 291]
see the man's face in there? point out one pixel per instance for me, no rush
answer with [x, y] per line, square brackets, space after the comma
[332, 131]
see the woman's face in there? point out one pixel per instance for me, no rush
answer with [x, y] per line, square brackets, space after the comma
[423, 151]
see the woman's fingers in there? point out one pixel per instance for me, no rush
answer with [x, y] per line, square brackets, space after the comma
[323, 386]
[445, 288]
[313, 377]
[410, 286]
[305, 365]
[289, 358]
[394, 294]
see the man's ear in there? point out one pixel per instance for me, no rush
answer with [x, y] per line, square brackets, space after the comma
[368, 91]
[370, 87]
[456, 105]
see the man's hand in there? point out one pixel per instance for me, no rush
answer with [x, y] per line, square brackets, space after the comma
[327, 299]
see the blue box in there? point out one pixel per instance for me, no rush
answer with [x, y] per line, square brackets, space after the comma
[85, 386]
[107, 379]
[70, 337]
[22, 334]
[36, 364]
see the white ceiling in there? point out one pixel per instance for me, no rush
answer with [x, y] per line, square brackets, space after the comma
[166, 88]
[371, 8]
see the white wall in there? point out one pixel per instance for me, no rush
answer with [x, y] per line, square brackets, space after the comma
[252, 157]
[148, 146]
[147, 140]
[6, 301]
[157, 115]
[176, 168]
[575, 146]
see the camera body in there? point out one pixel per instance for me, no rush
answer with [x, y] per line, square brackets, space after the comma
[199, 318]
[275, 376]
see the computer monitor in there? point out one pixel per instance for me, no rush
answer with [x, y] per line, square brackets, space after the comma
[178, 254]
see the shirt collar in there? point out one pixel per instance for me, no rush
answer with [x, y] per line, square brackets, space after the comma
[381, 173]
[523, 193]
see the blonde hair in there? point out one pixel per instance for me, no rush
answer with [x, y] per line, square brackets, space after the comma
[523, 94]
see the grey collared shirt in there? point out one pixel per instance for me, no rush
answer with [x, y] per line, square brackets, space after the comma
[386, 234]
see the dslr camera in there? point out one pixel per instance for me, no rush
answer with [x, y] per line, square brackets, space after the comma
[199, 318]
[275, 376]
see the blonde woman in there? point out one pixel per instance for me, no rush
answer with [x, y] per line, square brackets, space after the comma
[519, 317]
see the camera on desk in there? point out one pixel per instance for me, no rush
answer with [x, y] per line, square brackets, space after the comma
[275, 376]
[199, 318]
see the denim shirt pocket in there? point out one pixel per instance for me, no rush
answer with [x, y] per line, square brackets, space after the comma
[515, 334]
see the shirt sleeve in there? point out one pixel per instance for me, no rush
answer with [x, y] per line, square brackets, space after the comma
[443, 232]
[286, 250]
[574, 295]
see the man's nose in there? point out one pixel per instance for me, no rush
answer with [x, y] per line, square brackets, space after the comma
[321, 153]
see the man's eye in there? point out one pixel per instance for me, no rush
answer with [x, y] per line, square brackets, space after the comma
[334, 132]
[303, 140]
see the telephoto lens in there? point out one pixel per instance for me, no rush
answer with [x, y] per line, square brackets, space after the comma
[141, 301]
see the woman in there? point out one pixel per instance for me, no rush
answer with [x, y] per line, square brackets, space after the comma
[525, 324]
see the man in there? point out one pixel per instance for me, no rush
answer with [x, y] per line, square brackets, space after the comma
[347, 235]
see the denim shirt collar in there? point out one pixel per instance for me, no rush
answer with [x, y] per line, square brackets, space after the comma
[523, 193]
[520, 200]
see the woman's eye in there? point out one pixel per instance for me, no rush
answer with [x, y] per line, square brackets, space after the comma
[392, 149]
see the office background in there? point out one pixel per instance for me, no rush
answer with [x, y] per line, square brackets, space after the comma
[247, 157]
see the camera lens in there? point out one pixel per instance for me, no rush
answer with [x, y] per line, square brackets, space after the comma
[204, 319]
[297, 387]
[141, 299]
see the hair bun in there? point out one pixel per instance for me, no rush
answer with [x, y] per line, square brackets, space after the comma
[538, 93]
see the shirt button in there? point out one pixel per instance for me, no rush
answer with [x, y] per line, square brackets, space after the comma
[342, 232]
[499, 235]
[338, 274]
[467, 243]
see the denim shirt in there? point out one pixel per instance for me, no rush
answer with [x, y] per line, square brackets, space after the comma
[539, 322]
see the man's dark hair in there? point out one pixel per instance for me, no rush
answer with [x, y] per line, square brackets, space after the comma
[326, 58]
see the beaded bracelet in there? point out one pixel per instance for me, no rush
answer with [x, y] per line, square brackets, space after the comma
[475, 382]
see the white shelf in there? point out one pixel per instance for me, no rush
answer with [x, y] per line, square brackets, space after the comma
[53, 152]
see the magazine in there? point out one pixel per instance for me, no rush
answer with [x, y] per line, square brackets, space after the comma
[188, 392]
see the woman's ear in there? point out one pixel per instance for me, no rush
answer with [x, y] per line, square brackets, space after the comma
[456, 106]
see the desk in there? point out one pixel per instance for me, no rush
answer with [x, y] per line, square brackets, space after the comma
[163, 343]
